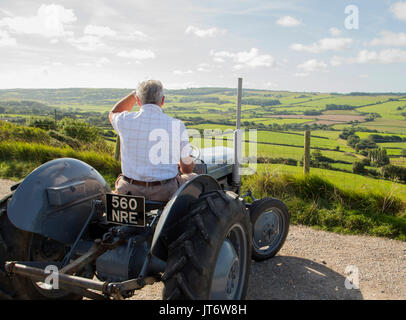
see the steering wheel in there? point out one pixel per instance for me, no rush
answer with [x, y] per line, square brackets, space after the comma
[195, 152]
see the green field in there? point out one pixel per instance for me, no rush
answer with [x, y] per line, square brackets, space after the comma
[344, 180]
[353, 203]
[387, 110]
[214, 108]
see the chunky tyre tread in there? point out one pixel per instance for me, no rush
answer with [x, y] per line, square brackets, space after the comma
[182, 238]
[17, 242]
[175, 268]
[186, 268]
[193, 258]
[202, 229]
[9, 287]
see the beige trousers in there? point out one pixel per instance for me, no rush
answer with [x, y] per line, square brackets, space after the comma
[161, 192]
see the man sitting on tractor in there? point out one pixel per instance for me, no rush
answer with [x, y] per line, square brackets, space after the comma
[153, 145]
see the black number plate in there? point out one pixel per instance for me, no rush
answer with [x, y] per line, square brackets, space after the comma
[125, 210]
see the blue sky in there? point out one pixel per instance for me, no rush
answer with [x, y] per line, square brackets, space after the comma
[297, 45]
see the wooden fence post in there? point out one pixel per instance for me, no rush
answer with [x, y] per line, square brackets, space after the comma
[306, 160]
[117, 149]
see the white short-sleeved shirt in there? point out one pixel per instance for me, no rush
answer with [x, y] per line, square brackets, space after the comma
[151, 143]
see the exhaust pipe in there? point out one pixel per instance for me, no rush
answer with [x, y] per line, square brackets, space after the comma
[238, 140]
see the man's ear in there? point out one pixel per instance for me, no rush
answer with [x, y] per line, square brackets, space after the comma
[137, 99]
[163, 101]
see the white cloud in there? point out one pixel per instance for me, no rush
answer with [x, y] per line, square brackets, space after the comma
[137, 54]
[386, 56]
[312, 66]
[203, 33]
[86, 43]
[365, 56]
[399, 10]
[51, 21]
[301, 74]
[99, 31]
[92, 39]
[203, 67]
[388, 38]
[335, 32]
[271, 85]
[383, 57]
[6, 40]
[136, 34]
[326, 44]
[102, 61]
[180, 72]
[84, 64]
[336, 61]
[244, 59]
[288, 21]
[98, 63]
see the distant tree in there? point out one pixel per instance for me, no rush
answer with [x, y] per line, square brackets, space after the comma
[358, 167]
[378, 157]
[317, 155]
[394, 172]
[352, 140]
[366, 162]
[312, 113]
[346, 133]
[339, 107]
[380, 138]
[365, 144]
[80, 130]
[43, 123]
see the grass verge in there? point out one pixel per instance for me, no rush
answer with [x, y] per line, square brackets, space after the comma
[17, 159]
[314, 201]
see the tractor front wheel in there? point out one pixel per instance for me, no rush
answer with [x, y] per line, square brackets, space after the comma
[270, 226]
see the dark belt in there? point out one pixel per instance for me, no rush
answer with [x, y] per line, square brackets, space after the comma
[145, 183]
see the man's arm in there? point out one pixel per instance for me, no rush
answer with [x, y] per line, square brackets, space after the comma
[124, 104]
[186, 165]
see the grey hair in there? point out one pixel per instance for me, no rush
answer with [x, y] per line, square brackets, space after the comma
[150, 92]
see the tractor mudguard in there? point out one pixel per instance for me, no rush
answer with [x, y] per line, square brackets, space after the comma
[178, 207]
[55, 199]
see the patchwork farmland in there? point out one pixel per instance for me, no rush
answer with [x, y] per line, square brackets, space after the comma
[358, 144]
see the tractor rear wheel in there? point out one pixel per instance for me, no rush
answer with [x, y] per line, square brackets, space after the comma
[209, 250]
[270, 226]
[18, 245]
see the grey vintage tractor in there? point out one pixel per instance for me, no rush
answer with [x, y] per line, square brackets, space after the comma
[64, 235]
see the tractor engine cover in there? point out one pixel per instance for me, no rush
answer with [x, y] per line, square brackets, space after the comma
[55, 200]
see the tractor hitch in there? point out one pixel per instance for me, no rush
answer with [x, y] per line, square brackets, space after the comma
[115, 290]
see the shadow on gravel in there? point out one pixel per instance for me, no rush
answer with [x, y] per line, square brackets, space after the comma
[291, 278]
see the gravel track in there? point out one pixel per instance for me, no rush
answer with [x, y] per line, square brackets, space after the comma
[312, 264]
